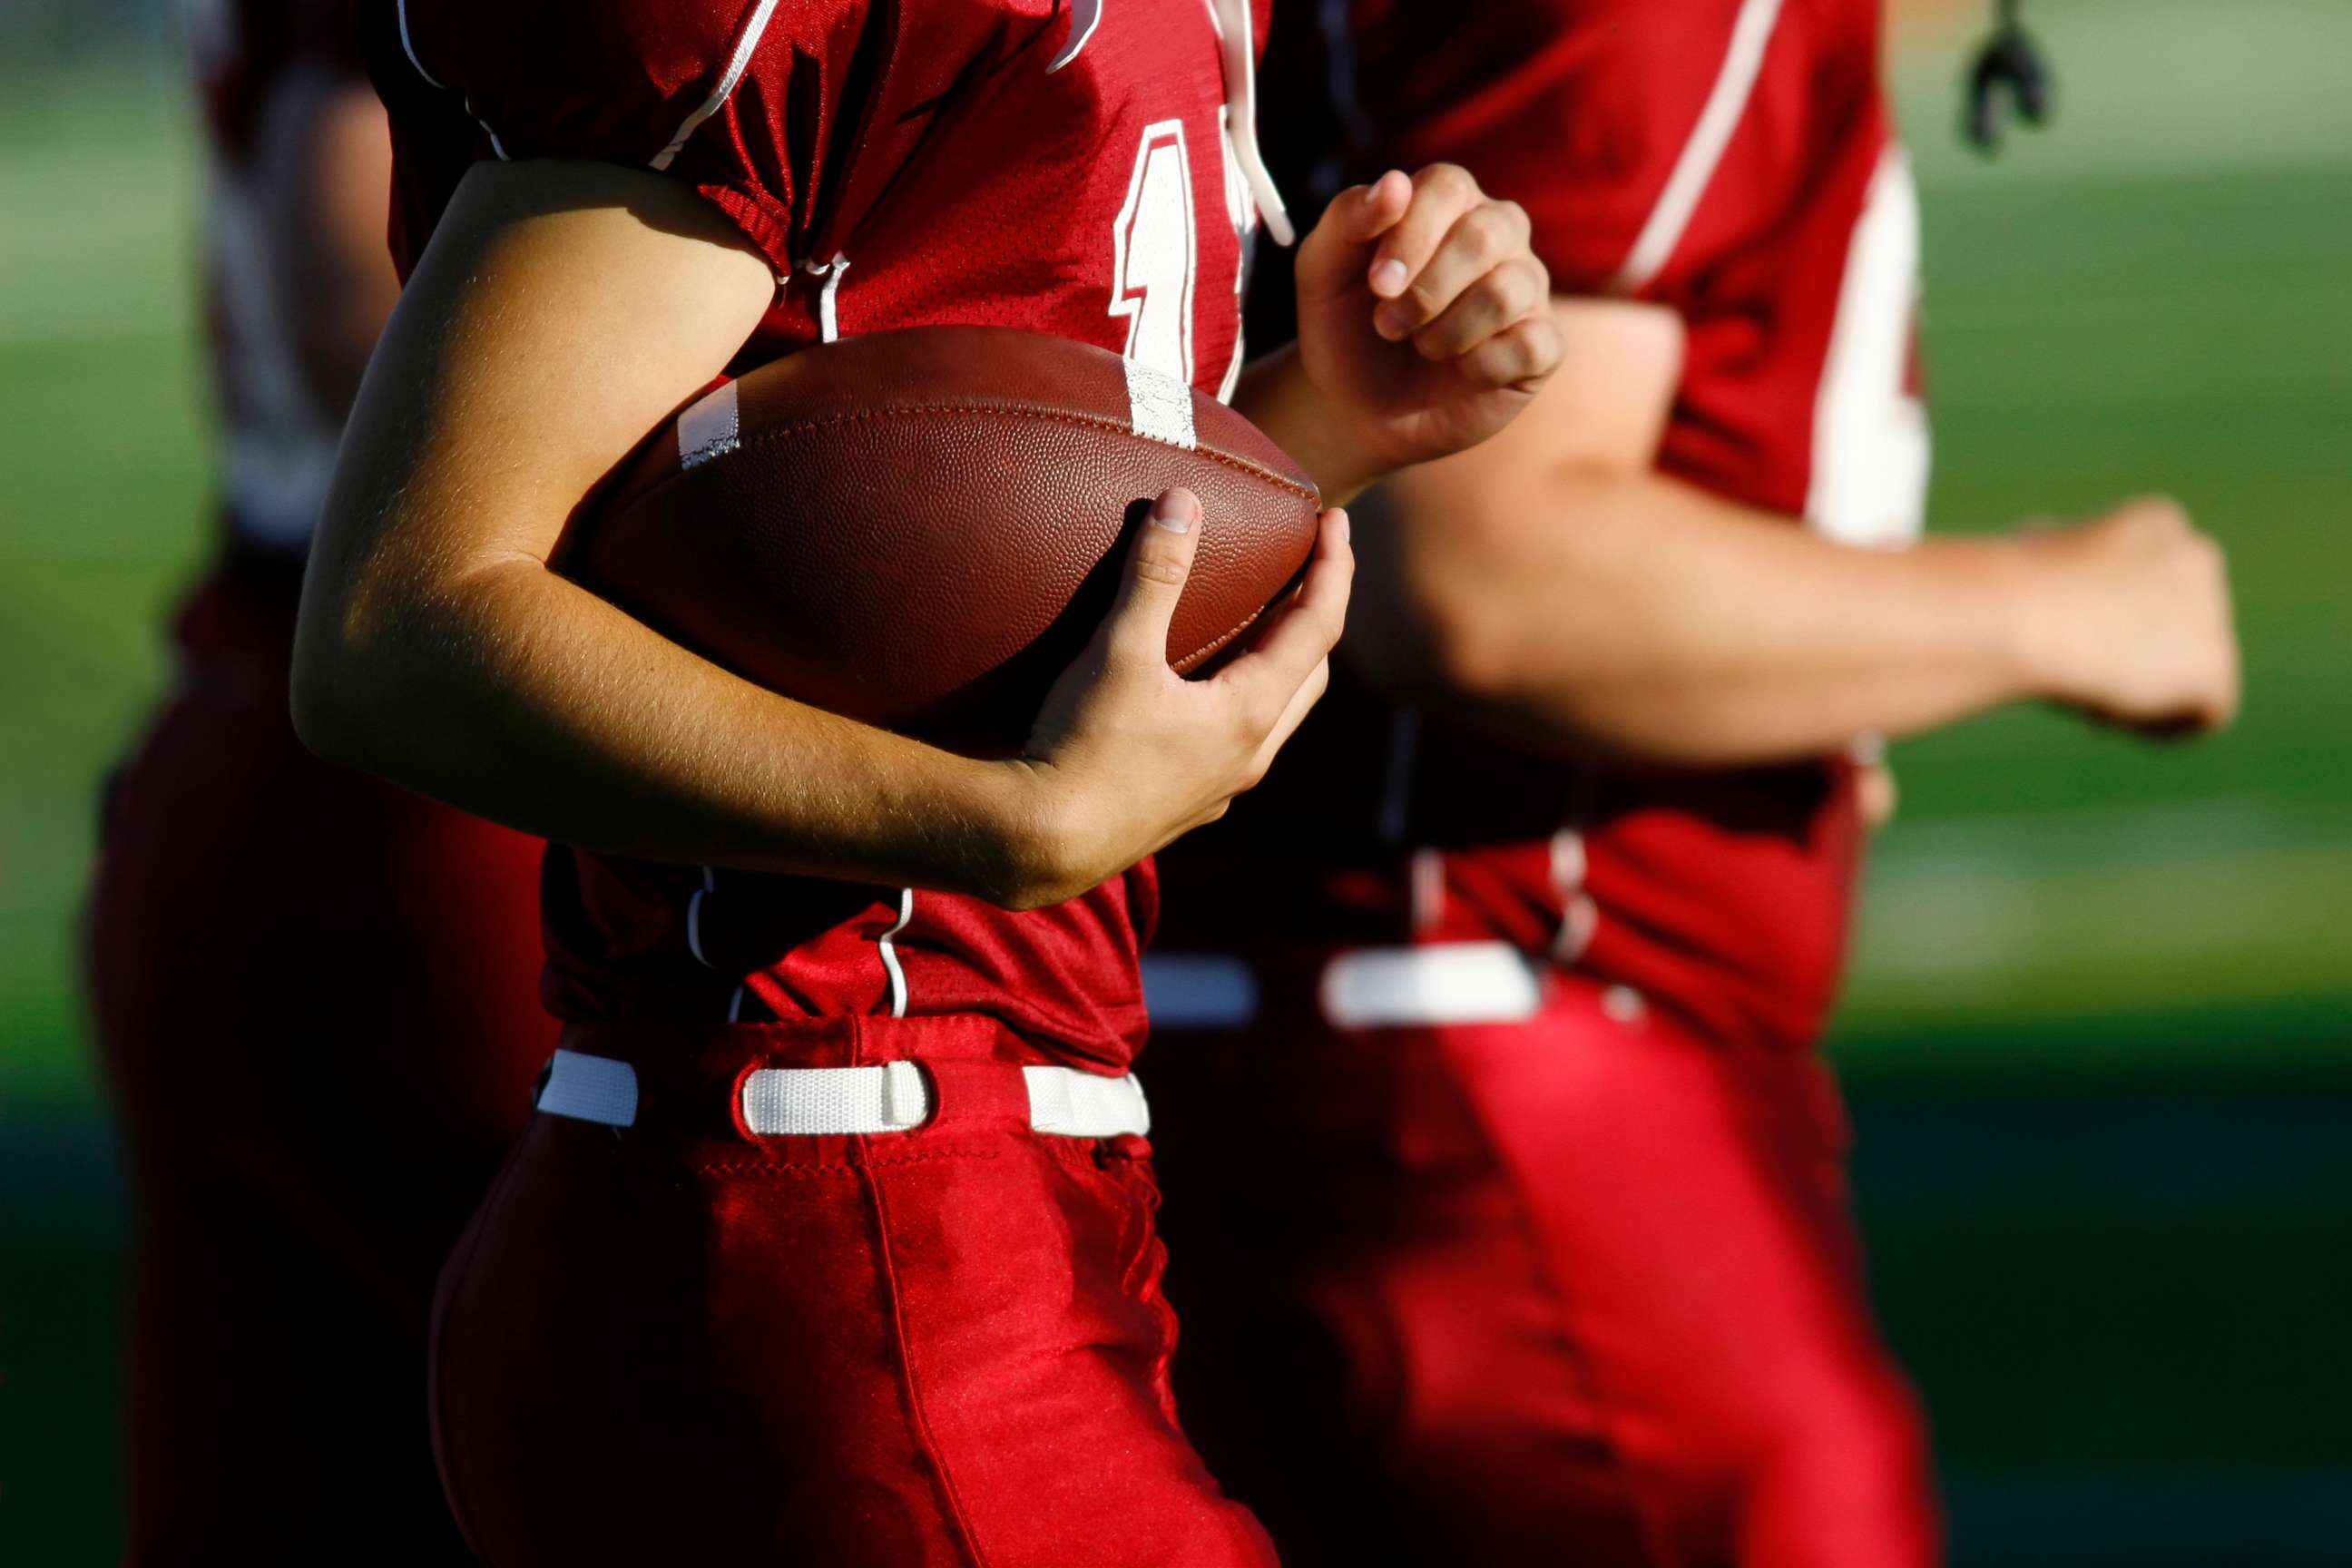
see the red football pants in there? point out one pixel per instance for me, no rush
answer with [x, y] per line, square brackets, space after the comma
[682, 1342]
[316, 999]
[1583, 1290]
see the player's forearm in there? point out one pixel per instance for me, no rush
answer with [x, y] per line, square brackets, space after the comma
[561, 311]
[513, 694]
[1275, 394]
[1646, 616]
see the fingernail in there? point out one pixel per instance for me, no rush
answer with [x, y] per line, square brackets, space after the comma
[1389, 279]
[1388, 322]
[1175, 511]
[1340, 524]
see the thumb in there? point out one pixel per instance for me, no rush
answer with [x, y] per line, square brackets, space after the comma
[1159, 561]
[1333, 257]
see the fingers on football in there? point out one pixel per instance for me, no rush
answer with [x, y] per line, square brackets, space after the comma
[1285, 655]
[1159, 561]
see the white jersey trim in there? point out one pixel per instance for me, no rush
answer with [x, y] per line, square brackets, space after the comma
[1725, 102]
[408, 48]
[1871, 442]
[735, 63]
[1086, 16]
[888, 943]
[694, 916]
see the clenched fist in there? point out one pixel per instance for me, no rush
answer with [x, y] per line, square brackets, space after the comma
[2127, 618]
[1422, 314]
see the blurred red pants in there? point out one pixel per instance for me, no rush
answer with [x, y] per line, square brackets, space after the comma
[679, 1343]
[1583, 1289]
[317, 1000]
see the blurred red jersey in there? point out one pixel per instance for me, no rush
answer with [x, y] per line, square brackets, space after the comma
[272, 1092]
[277, 439]
[1030, 163]
[1734, 160]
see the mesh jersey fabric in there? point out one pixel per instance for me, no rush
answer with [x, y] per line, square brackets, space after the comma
[899, 166]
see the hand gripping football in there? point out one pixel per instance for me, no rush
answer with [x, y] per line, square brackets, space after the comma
[920, 529]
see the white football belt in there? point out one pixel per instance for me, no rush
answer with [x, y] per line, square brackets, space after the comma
[1365, 988]
[784, 1103]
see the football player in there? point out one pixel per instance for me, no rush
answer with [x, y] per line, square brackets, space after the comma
[832, 1242]
[1527, 1167]
[316, 993]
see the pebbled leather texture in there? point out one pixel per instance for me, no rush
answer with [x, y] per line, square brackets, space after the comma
[919, 528]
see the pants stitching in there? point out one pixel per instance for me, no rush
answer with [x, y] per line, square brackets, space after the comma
[460, 1266]
[1645, 1509]
[901, 1345]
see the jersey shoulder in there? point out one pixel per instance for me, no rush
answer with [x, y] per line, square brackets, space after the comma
[1578, 110]
[616, 80]
[740, 99]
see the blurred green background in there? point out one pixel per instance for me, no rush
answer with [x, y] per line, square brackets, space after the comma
[2100, 1034]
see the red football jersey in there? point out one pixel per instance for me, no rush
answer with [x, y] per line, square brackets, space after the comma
[1057, 167]
[1733, 159]
[277, 443]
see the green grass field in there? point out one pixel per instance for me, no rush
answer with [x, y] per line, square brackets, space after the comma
[2100, 1033]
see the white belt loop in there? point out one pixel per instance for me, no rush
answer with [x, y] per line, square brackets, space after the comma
[1199, 991]
[589, 1088]
[892, 1098]
[802, 1101]
[1084, 1105]
[1441, 983]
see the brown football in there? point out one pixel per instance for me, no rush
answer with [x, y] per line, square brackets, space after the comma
[920, 528]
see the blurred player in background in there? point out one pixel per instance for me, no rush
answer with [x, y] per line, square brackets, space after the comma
[800, 1262]
[1510, 1225]
[316, 993]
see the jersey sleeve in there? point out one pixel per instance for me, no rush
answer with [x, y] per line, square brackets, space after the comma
[1577, 110]
[740, 99]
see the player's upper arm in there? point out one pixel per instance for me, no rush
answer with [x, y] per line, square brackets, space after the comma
[613, 189]
[1464, 560]
[1601, 416]
[560, 311]
[630, 178]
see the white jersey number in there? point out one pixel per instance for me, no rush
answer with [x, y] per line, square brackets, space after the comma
[1155, 254]
[1870, 432]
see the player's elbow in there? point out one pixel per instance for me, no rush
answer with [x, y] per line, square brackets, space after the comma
[326, 717]
[1480, 640]
[1502, 587]
[336, 689]
[1464, 652]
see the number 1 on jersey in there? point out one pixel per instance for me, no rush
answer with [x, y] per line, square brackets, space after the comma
[1155, 254]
